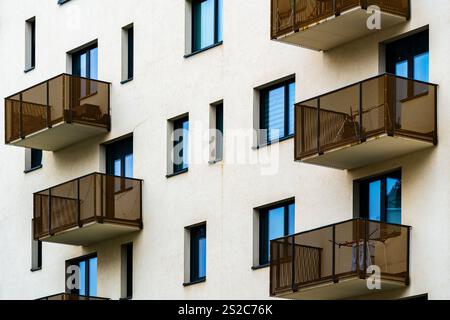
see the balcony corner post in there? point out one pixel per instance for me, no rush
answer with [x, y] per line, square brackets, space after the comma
[50, 212]
[333, 260]
[318, 127]
[362, 136]
[21, 135]
[79, 204]
[294, 287]
[48, 116]
[366, 248]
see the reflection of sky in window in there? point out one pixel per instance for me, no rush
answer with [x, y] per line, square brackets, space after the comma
[83, 72]
[401, 68]
[375, 200]
[204, 21]
[421, 67]
[275, 113]
[202, 257]
[185, 144]
[82, 266]
[291, 218]
[291, 108]
[94, 63]
[393, 201]
[93, 277]
[276, 224]
[129, 166]
[220, 21]
[117, 167]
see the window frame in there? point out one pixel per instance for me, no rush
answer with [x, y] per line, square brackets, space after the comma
[75, 57]
[178, 124]
[263, 92]
[119, 149]
[196, 233]
[264, 241]
[76, 261]
[216, 41]
[127, 271]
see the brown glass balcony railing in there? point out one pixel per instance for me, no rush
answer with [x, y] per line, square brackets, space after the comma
[384, 104]
[64, 98]
[336, 252]
[71, 297]
[96, 197]
[293, 15]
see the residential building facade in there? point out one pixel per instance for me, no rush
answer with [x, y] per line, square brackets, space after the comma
[195, 150]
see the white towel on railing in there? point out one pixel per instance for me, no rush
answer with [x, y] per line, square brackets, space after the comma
[369, 254]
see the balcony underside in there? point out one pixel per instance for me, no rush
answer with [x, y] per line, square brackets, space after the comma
[375, 150]
[350, 288]
[59, 136]
[335, 31]
[90, 233]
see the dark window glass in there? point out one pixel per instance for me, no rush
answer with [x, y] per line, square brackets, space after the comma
[87, 276]
[275, 222]
[33, 43]
[206, 23]
[381, 198]
[36, 158]
[198, 253]
[119, 158]
[181, 144]
[409, 57]
[36, 253]
[277, 110]
[130, 52]
[219, 128]
[127, 271]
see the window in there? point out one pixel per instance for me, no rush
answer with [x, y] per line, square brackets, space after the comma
[33, 159]
[127, 271]
[119, 158]
[30, 44]
[409, 57]
[127, 53]
[180, 144]
[277, 111]
[61, 2]
[85, 62]
[275, 221]
[86, 284]
[197, 253]
[206, 23]
[380, 198]
[36, 253]
[216, 126]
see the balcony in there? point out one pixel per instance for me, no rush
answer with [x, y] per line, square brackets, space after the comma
[88, 209]
[57, 113]
[326, 24]
[71, 297]
[368, 122]
[329, 262]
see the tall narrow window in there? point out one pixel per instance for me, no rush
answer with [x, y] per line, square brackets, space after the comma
[206, 23]
[198, 253]
[277, 110]
[216, 126]
[86, 284]
[127, 271]
[36, 253]
[85, 63]
[381, 198]
[30, 44]
[127, 53]
[180, 136]
[119, 158]
[274, 222]
[33, 159]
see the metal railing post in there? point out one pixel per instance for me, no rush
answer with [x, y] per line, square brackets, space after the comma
[362, 137]
[333, 267]
[78, 204]
[48, 120]
[50, 212]
[366, 248]
[21, 116]
[293, 286]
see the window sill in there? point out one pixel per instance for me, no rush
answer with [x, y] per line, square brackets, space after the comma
[204, 49]
[32, 169]
[36, 269]
[126, 81]
[215, 161]
[29, 69]
[273, 142]
[126, 299]
[177, 173]
[262, 266]
[187, 284]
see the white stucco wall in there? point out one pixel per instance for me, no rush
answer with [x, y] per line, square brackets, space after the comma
[166, 85]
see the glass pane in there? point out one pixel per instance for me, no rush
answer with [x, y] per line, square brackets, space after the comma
[203, 12]
[291, 219]
[393, 201]
[274, 113]
[291, 108]
[276, 225]
[185, 144]
[421, 67]
[117, 167]
[219, 21]
[202, 257]
[401, 68]
[93, 277]
[375, 200]
[129, 166]
[94, 63]
[83, 71]
[82, 266]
